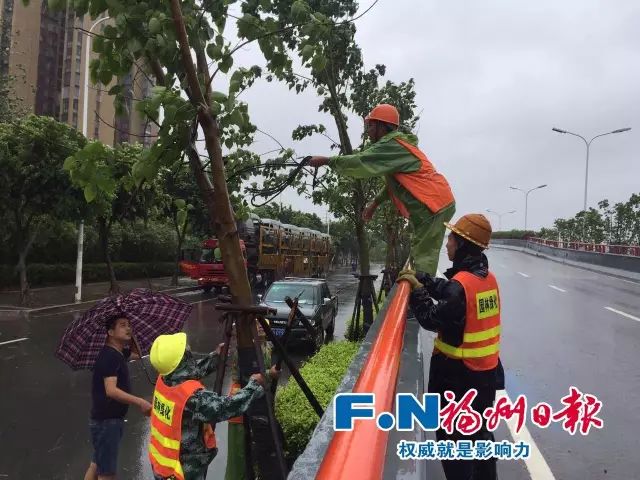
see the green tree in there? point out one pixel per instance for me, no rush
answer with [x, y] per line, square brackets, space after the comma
[33, 184]
[181, 202]
[107, 178]
[181, 43]
[322, 35]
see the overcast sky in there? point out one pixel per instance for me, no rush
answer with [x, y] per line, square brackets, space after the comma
[493, 78]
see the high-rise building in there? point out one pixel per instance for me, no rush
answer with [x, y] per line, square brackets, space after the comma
[44, 53]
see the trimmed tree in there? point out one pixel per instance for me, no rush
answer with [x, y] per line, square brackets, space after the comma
[33, 183]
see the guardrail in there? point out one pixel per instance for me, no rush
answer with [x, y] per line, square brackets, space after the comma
[628, 250]
[361, 453]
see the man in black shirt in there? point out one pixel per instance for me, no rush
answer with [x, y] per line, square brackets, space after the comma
[111, 397]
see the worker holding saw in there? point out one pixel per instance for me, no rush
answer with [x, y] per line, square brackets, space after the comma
[418, 191]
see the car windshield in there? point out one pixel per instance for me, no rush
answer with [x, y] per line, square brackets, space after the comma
[207, 255]
[279, 291]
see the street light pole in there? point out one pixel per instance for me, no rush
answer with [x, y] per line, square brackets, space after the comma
[526, 201]
[85, 127]
[500, 215]
[588, 144]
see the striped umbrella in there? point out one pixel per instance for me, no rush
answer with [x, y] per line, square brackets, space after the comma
[150, 314]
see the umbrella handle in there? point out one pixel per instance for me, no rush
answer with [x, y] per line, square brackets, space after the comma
[144, 367]
[135, 342]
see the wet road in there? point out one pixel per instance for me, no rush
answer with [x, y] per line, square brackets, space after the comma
[563, 327]
[44, 406]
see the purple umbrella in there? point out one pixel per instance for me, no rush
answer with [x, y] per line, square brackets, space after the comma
[151, 314]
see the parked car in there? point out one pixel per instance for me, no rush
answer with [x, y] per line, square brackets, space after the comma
[314, 301]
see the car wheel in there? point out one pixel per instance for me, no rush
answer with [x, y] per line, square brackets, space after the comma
[319, 340]
[331, 328]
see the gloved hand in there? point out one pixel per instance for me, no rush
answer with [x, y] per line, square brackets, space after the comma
[409, 276]
[425, 279]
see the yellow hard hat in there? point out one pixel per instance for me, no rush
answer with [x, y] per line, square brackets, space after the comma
[167, 352]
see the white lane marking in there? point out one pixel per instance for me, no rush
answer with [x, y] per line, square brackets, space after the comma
[622, 313]
[14, 341]
[536, 464]
[188, 293]
[557, 288]
[203, 301]
[523, 274]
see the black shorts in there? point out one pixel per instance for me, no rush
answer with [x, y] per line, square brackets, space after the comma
[105, 437]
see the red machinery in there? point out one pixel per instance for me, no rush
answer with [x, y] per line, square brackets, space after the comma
[207, 271]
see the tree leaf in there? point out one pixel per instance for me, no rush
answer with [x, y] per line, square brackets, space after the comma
[90, 192]
[181, 217]
[218, 97]
[319, 63]
[155, 26]
[105, 76]
[69, 163]
[307, 52]
[214, 51]
[226, 64]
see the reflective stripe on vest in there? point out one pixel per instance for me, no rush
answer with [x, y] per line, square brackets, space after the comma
[426, 185]
[235, 388]
[166, 427]
[480, 347]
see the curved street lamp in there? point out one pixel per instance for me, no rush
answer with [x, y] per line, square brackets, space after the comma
[526, 200]
[588, 144]
[500, 215]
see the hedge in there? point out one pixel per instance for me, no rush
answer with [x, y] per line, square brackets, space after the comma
[40, 274]
[323, 373]
[513, 234]
[129, 242]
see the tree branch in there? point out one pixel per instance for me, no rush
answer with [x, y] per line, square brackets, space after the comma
[121, 130]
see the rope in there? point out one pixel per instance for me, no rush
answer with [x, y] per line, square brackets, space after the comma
[275, 190]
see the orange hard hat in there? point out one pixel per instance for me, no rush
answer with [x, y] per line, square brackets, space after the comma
[385, 113]
[474, 227]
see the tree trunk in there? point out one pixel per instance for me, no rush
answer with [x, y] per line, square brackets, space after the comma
[223, 222]
[180, 235]
[392, 241]
[22, 263]
[358, 193]
[105, 229]
[214, 190]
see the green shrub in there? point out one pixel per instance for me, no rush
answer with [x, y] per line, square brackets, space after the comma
[40, 274]
[513, 234]
[323, 373]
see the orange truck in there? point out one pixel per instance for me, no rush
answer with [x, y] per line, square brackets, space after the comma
[209, 273]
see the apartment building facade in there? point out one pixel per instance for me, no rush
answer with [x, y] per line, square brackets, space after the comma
[44, 54]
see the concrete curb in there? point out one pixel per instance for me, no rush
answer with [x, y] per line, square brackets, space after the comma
[581, 266]
[8, 309]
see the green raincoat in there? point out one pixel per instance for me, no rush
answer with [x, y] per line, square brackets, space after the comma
[384, 158]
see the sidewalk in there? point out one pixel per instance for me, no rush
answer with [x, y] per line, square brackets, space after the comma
[60, 295]
[612, 272]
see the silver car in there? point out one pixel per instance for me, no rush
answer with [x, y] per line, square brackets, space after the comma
[314, 301]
